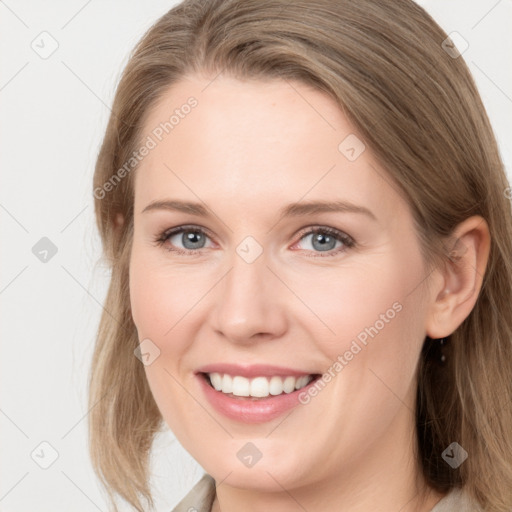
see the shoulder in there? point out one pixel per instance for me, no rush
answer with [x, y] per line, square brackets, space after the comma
[199, 498]
[457, 500]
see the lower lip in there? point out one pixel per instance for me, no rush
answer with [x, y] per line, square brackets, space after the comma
[247, 409]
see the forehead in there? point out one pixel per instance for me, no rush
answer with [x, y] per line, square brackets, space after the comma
[246, 143]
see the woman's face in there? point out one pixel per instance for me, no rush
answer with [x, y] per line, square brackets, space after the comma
[248, 292]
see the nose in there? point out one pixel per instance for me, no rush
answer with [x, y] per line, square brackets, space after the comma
[250, 303]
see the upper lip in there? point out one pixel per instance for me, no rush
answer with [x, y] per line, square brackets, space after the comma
[252, 370]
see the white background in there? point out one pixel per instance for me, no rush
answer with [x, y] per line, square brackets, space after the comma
[53, 116]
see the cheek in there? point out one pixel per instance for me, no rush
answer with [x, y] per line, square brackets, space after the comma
[376, 312]
[160, 302]
[375, 315]
[160, 299]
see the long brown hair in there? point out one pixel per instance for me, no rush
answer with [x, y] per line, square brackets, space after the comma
[416, 105]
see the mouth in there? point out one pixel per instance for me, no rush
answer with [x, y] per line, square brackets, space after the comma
[253, 393]
[260, 387]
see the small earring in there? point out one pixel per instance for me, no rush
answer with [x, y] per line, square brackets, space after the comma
[442, 357]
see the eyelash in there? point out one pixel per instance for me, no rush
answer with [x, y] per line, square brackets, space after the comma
[347, 241]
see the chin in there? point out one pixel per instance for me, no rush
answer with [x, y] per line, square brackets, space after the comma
[270, 473]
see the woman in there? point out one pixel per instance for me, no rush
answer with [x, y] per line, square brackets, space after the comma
[305, 211]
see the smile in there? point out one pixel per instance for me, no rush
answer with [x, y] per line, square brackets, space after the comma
[258, 387]
[253, 393]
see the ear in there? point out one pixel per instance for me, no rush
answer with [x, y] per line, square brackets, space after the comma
[456, 290]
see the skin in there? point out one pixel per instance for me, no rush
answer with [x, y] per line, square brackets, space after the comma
[248, 149]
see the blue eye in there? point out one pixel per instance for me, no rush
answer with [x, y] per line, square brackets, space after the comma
[193, 239]
[324, 239]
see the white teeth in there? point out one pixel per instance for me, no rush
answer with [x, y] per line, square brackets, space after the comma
[259, 387]
[289, 384]
[302, 381]
[227, 384]
[276, 386]
[241, 386]
[216, 380]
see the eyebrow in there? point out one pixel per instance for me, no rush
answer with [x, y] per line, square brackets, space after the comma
[292, 210]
